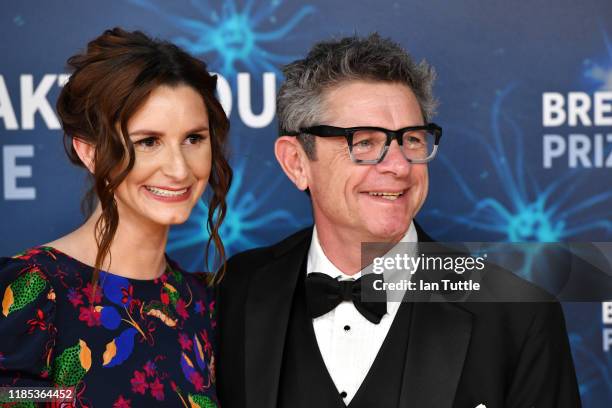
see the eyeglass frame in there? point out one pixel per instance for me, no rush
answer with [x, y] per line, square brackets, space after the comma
[334, 131]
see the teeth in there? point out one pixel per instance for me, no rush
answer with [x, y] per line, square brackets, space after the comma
[387, 196]
[390, 197]
[166, 193]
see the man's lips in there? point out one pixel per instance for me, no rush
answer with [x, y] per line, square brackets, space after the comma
[390, 194]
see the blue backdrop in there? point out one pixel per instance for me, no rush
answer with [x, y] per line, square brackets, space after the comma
[526, 107]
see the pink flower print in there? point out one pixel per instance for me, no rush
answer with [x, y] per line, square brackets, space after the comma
[149, 369]
[200, 308]
[197, 380]
[157, 390]
[75, 297]
[88, 289]
[163, 279]
[207, 345]
[90, 316]
[139, 383]
[122, 403]
[185, 341]
[127, 294]
[181, 309]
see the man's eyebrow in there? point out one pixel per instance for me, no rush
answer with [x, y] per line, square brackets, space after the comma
[148, 132]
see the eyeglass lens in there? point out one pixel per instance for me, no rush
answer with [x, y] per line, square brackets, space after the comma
[370, 144]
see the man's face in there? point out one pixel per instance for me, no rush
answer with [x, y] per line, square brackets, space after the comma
[346, 197]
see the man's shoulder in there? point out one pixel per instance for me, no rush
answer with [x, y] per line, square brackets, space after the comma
[515, 301]
[257, 257]
[504, 285]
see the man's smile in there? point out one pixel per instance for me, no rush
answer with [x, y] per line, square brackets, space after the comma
[389, 195]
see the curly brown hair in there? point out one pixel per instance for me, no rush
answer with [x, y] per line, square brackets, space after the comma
[111, 80]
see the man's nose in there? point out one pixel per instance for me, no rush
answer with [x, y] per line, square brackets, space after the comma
[175, 164]
[394, 161]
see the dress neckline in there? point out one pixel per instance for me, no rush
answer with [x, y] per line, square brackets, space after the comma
[169, 268]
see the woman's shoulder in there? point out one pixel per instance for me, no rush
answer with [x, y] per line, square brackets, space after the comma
[200, 283]
[26, 291]
[34, 261]
[25, 277]
[196, 287]
[32, 256]
[44, 261]
[201, 278]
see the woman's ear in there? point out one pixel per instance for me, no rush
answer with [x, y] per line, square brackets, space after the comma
[292, 160]
[85, 151]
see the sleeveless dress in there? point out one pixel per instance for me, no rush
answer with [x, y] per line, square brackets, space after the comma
[129, 343]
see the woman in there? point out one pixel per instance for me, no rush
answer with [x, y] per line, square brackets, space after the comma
[102, 309]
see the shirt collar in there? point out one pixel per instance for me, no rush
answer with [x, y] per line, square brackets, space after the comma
[319, 262]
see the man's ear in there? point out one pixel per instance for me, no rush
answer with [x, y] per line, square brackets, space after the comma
[85, 151]
[292, 159]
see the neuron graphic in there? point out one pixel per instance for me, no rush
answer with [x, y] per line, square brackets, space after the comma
[601, 74]
[234, 35]
[248, 215]
[521, 210]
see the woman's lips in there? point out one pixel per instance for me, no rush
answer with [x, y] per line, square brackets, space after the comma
[168, 194]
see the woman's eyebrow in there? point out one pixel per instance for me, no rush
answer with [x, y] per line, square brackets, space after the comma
[143, 132]
[198, 129]
[147, 132]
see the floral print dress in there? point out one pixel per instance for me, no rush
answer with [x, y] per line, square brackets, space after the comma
[132, 343]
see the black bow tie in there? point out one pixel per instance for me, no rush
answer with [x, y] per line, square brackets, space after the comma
[323, 294]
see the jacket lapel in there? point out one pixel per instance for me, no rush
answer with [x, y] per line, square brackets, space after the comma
[439, 338]
[268, 306]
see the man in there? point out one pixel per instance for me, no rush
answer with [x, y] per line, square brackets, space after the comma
[342, 112]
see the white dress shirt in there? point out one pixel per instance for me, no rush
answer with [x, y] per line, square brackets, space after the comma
[348, 341]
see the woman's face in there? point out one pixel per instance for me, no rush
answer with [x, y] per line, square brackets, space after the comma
[171, 139]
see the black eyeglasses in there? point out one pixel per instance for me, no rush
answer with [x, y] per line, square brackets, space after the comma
[369, 144]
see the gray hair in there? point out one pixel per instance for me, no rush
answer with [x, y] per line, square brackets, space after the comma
[330, 63]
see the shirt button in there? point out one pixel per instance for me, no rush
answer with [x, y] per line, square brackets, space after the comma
[347, 328]
[343, 394]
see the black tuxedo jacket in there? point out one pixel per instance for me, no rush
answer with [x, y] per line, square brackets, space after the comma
[459, 354]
